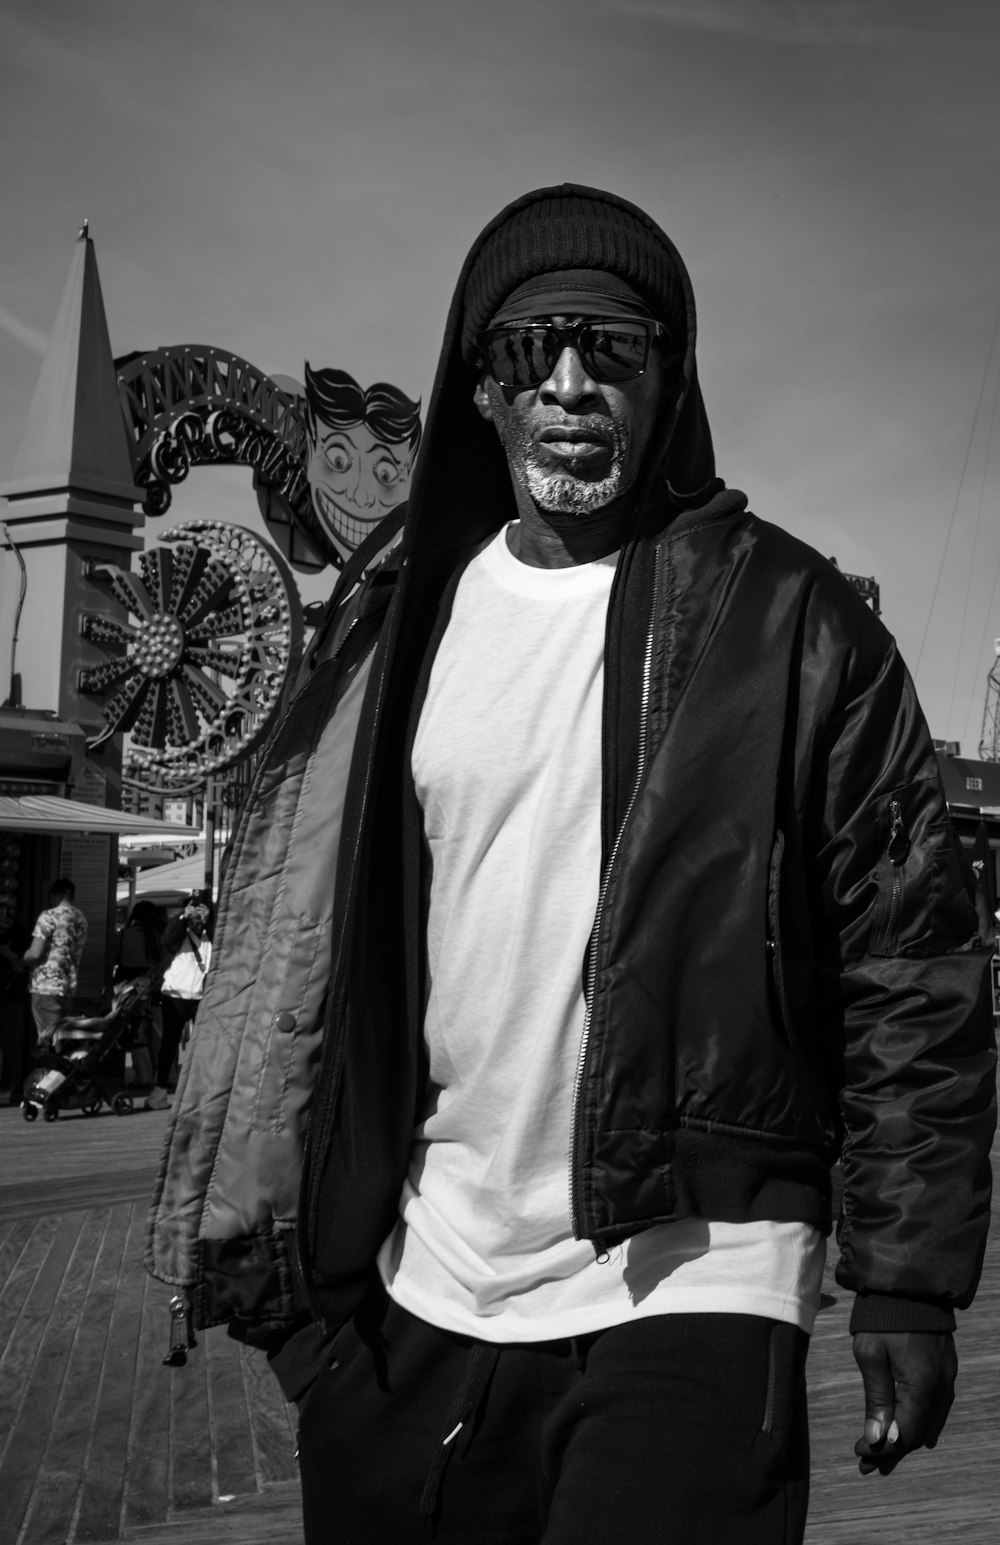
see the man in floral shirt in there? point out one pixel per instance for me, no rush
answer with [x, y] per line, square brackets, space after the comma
[56, 947]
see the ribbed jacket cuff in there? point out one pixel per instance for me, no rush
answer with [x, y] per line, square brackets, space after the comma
[888, 1312]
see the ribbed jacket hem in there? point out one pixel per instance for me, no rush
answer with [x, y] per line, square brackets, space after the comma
[639, 1178]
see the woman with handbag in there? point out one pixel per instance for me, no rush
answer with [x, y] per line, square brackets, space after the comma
[189, 947]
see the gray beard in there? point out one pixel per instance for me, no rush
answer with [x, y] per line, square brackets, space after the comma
[559, 491]
[567, 495]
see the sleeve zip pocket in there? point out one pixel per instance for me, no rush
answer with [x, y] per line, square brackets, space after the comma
[891, 884]
[776, 971]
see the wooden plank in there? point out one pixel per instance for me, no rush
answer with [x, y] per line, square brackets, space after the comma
[61, 1450]
[272, 1423]
[76, 1142]
[147, 1485]
[191, 1467]
[31, 1199]
[273, 1517]
[99, 1511]
[31, 1376]
[17, 1240]
[25, 1301]
[229, 1421]
[78, 1160]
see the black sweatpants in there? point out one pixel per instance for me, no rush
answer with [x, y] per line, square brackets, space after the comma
[177, 1015]
[685, 1429]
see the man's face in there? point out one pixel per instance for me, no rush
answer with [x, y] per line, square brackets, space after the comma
[355, 480]
[574, 444]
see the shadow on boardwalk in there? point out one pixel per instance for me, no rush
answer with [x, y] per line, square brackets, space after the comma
[99, 1442]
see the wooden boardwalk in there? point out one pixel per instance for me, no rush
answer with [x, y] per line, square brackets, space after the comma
[100, 1443]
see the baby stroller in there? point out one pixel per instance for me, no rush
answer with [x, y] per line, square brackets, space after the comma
[65, 1078]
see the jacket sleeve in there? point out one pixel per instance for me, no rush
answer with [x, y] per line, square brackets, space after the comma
[908, 1005]
[173, 937]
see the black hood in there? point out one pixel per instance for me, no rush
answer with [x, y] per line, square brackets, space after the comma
[461, 490]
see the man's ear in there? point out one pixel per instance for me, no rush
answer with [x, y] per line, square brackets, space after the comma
[481, 398]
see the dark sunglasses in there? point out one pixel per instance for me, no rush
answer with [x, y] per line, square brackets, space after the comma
[610, 348]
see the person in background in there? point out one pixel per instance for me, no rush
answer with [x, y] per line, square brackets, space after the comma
[188, 946]
[139, 952]
[53, 956]
[14, 940]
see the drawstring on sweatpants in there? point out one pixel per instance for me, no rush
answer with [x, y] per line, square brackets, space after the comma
[471, 1393]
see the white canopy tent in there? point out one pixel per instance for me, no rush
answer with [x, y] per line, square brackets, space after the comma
[52, 816]
[166, 881]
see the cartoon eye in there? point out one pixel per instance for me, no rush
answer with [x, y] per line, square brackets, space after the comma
[386, 472]
[337, 458]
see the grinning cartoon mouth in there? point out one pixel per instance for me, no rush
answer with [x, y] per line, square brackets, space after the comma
[332, 510]
[350, 526]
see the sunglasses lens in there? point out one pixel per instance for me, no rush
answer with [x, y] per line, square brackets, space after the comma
[525, 356]
[615, 352]
[519, 356]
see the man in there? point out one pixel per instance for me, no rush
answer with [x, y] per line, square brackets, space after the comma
[14, 940]
[646, 906]
[361, 450]
[57, 942]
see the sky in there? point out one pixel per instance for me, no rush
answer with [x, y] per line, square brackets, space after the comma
[302, 181]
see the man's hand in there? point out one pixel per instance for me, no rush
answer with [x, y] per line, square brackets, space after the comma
[909, 1379]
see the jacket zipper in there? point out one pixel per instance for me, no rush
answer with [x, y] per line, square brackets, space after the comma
[897, 849]
[575, 1199]
[898, 846]
[774, 954]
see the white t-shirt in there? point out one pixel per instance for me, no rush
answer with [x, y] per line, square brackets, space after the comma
[507, 766]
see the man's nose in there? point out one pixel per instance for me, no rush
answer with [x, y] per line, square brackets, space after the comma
[568, 382]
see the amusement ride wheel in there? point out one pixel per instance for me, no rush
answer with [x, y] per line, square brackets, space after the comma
[213, 638]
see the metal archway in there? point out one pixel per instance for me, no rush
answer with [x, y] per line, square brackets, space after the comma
[192, 404]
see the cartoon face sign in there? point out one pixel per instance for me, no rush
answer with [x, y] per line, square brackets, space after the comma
[355, 478]
[362, 446]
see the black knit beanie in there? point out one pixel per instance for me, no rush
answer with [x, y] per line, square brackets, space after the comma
[572, 227]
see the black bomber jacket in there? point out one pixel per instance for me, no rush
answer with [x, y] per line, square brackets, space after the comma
[787, 965]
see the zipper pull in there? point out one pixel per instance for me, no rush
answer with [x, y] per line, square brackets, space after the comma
[182, 1336]
[899, 841]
